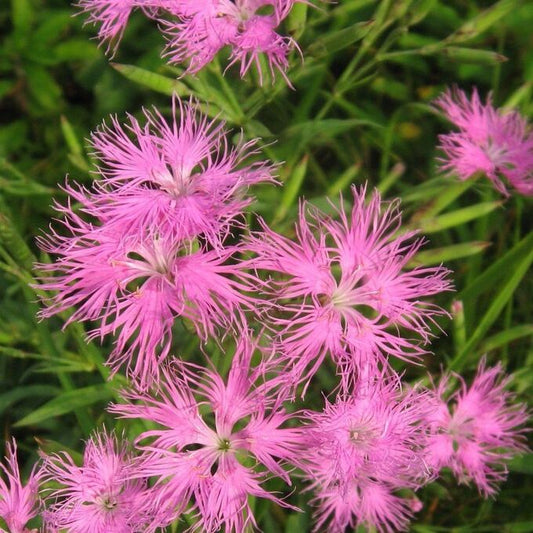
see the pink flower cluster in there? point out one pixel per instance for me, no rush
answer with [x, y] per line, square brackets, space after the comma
[496, 143]
[219, 440]
[167, 196]
[197, 30]
[343, 289]
[19, 503]
[215, 442]
[102, 495]
[362, 451]
[160, 237]
[474, 430]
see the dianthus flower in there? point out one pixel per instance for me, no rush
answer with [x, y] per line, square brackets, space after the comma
[345, 288]
[218, 442]
[153, 250]
[247, 26]
[103, 495]
[137, 286]
[181, 176]
[198, 30]
[361, 451]
[19, 503]
[496, 143]
[477, 429]
[112, 17]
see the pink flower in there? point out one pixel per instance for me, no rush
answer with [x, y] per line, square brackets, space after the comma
[363, 449]
[345, 288]
[198, 30]
[218, 440]
[18, 503]
[248, 26]
[180, 176]
[103, 495]
[137, 286]
[477, 430]
[199, 34]
[153, 250]
[112, 17]
[497, 143]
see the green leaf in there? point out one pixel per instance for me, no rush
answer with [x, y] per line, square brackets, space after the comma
[296, 21]
[13, 241]
[472, 55]
[308, 131]
[297, 522]
[43, 88]
[448, 253]
[156, 82]
[419, 11]
[512, 272]
[291, 188]
[76, 50]
[67, 402]
[70, 136]
[337, 40]
[52, 26]
[522, 463]
[27, 391]
[456, 218]
[344, 180]
[442, 198]
[211, 86]
[505, 337]
[71, 362]
[5, 87]
[517, 527]
[500, 269]
[49, 447]
[22, 14]
[482, 22]
[18, 184]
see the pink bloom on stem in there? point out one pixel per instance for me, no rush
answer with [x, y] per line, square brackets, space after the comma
[137, 286]
[199, 34]
[218, 442]
[345, 288]
[198, 30]
[19, 503]
[361, 450]
[111, 16]
[180, 176]
[247, 26]
[153, 250]
[495, 142]
[478, 429]
[103, 495]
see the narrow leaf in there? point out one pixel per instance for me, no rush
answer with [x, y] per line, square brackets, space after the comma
[482, 22]
[456, 218]
[339, 39]
[66, 403]
[156, 82]
[492, 276]
[449, 253]
[505, 337]
[473, 55]
[505, 292]
[292, 188]
[27, 391]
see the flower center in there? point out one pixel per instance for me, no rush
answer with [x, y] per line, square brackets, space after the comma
[107, 502]
[361, 436]
[224, 445]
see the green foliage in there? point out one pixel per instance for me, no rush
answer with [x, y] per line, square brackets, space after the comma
[361, 110]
